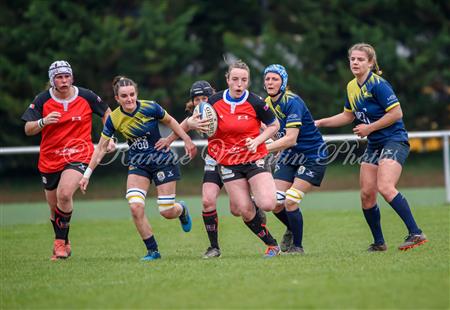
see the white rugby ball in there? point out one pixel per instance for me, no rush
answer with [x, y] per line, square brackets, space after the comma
[207, 111]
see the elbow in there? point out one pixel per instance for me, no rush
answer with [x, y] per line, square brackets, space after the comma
[292, 142]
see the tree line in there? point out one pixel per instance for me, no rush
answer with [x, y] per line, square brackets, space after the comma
[165, 45]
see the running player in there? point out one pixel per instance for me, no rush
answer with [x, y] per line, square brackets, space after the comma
[239, 148]
[63, 116]
[301, 165]
[138, 120]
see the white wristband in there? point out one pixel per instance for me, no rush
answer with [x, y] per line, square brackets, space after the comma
[41, 123]
[87, 173]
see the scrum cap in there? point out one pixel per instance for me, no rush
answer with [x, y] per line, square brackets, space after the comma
[281, 71]
[58, 67]
[201, 88]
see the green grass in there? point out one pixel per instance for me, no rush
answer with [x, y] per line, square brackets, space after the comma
[105, 271]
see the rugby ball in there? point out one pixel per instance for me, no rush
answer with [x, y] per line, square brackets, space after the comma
[207, 111]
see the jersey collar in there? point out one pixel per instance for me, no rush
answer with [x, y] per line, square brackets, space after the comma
[367, 78]
[64, 102]
[138, 105]
[234, 102]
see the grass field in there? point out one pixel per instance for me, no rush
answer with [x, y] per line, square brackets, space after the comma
[105, 271]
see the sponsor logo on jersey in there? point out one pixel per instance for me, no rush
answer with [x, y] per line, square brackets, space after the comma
[391, 97]
[169, 173]
[242, 117]
[160, 175]
[76, 118]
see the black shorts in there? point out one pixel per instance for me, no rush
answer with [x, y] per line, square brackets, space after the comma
[51, 180]
[213, 176]
[243, 171]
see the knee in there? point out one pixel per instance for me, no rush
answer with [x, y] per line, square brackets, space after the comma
[137, 210]
[64, 197]
[278, 208]
[208, 203]
[291, 205]
[168, 213]
[387, 191]
[267, 203]
[234, 210]
[248, 214]
[368, 198]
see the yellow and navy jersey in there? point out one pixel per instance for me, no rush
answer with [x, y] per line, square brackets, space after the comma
[292, 112]
[369, 102]
[140, 128]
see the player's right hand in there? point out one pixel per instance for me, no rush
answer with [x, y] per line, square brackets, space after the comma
[84, 184]
[196, 123]
[52, 118]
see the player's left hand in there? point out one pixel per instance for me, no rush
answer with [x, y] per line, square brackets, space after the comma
[163, 144]
[362, 130]
[190, 149]
[111, 146]
[251, 144]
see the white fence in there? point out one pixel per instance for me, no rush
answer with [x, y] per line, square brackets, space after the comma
[444, 134]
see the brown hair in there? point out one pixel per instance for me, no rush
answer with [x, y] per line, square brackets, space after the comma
[371, 55]
[121, 81]
[189, 106]
[238, 64]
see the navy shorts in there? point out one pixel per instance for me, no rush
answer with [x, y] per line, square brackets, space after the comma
[311, 170]
[243, 171]
[51, 180]
[395, 150]
[159, 175]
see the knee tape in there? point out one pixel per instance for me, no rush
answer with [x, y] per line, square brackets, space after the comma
[136, 195]
[294, 195]
[281, 197]
[166, 202]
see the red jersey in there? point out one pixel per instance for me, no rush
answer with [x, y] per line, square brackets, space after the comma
[69, 140]
[238, 119]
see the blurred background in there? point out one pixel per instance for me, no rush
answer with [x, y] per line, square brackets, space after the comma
[166, 45]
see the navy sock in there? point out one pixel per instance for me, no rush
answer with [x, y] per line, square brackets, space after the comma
[296, 226]
[401, 206]
[151, 244]
[282, 216]
[373, 218]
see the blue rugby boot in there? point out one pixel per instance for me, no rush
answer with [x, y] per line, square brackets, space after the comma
[185, 218]
[151, 255]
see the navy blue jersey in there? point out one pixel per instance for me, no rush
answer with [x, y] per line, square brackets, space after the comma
[292, 112]
[141, 130]
[369, 102]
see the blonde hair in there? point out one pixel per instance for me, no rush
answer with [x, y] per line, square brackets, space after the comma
[370, 52]
[238, 64]
[121, 81]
